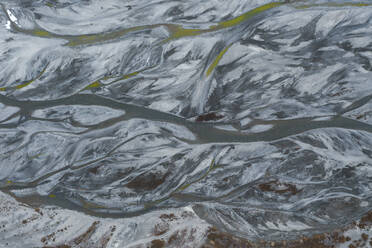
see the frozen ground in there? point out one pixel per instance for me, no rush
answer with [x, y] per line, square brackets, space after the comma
[253, 118]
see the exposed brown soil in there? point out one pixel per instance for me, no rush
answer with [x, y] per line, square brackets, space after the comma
[37, 210]
[94, 170]
[218, 239]
[366, 220]
[86, 235]
[105, 239]
[209, 117]
[58, 246]
[157, 243]
[83, 240]
[147, 181]
[279, 188]
[169, 217]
